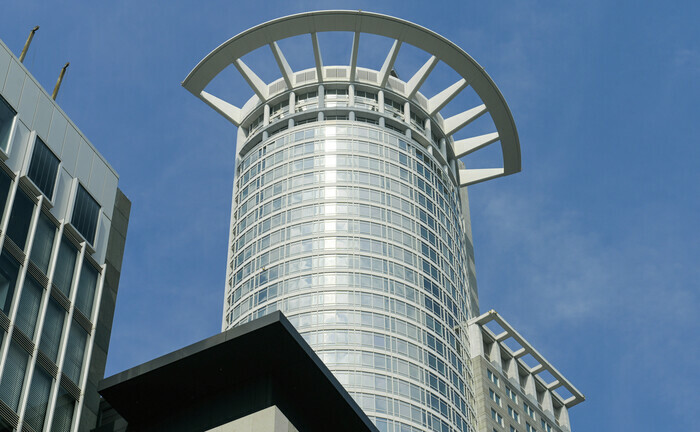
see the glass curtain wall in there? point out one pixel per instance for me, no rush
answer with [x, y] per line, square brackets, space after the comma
[353, 232]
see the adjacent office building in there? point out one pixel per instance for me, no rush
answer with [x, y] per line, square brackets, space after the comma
[516, 389]
[62, 233]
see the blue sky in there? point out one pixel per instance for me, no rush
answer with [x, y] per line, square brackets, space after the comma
[591, 252]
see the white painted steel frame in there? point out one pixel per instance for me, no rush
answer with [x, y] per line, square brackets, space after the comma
[510, 332]
[358, 22]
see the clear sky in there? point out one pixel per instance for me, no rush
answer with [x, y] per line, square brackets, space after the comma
[591, 252]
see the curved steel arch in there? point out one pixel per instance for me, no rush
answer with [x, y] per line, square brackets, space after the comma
[383, 25]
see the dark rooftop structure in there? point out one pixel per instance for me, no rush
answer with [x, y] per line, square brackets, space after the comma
[231, 375]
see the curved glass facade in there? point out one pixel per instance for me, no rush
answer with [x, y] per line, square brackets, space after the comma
[355, 232]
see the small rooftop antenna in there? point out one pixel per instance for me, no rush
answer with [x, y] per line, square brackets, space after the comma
[26, 44]
[58, 83]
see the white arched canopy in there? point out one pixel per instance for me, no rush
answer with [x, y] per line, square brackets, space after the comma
[358, 22]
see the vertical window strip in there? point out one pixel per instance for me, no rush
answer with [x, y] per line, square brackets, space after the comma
[63, 413]
[85, 213]
[5, 183]
[53, 327]
[75, 352]
[87, 286]
[7, 115]
[20, 218]
[65, 267]
[29, 305]
[43, 168]
[9, 268]
[37, 402]
[43, 243]
[13, 376]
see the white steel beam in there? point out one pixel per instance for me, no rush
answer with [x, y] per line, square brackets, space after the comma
[458, 121]
[317, 57]
[389, 63]
[254, 81]
[469, 177]
[520, 353]
[537, 369]
[353, 55]
[469, 145]
[502, 336]
[554, 385]
[419, 77]
[559, 379]
[438, 102]
[230, 112]
[287, 73]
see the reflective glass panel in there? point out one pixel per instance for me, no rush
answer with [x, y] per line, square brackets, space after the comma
[87, 285]
[13, 376]
[20, 218]
[53, 327]
[8, 277]
[43, 242]
[85, 213]
[7, 114]
[43, 168]
[65, 266]
[29, 305]
[37, 402]
[75, 351]
[63, 413]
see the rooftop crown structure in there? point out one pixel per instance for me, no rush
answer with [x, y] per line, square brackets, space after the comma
[350, 212]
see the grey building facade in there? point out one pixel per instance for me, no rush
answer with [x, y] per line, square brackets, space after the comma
[63, 230]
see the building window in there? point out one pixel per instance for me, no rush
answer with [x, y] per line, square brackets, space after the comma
[43, 242]
[496, 417]
[65, 267]
[529, 428]
[20, 219]
[85, 213]
[514, 414]
[366, 95]
[8, 277]
[512, 429]
[545, 426]
[335, 93]
[38, 399]
[29, 305]
[43, 168]
[492, 377]
[495, 397]
[87, 285]
[529, 410]
[511, 394]
[75, 351]
[13, 376]
[53, 327]
[307, 96]
[63, 413]
[7, 115]
[5, 182]
[393, 105]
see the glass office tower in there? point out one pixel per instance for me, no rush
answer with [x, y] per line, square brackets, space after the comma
[350, 212]
[63, 224]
